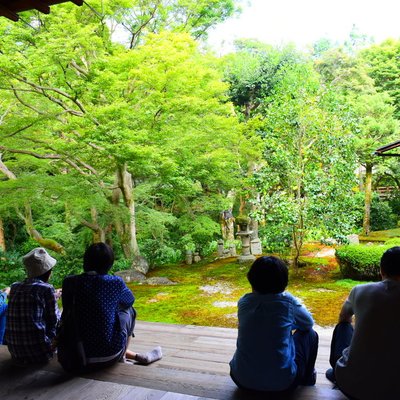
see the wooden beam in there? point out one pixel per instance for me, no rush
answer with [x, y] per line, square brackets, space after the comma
[10, 8]
[5, 12]
[388, 147]
[41, 6]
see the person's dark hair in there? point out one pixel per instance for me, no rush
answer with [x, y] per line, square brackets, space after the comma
[45, 277]
[268, 275]
[390, 261]
[98, 257]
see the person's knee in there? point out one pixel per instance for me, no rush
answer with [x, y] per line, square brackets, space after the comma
[311, 336]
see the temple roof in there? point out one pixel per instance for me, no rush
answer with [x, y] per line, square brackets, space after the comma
[382, 150]
[11, 8]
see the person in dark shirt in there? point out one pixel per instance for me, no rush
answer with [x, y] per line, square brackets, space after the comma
[103, 306]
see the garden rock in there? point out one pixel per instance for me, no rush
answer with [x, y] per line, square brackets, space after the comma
[161, 280]
[131, 275]
[217, 288]
[140, 264]
[224, 304]
[353, 239]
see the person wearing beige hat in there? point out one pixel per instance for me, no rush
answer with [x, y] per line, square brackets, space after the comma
[33, 313]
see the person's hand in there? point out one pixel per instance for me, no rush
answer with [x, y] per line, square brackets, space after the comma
[6, 290]
[58, 293]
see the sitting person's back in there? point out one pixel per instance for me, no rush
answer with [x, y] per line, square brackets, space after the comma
[268, 356]
[33, 314]
[98, 300]
[369, 360]
[98, 311]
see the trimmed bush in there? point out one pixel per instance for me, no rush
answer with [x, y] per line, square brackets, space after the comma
[393, 242]
[360, 262]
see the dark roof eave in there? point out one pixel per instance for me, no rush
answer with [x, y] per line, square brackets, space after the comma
[382, 150]
[11, 8]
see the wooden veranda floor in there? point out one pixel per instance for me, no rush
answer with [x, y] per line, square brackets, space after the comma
[194, 366]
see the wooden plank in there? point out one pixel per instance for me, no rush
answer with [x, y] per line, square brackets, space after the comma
[195, 366]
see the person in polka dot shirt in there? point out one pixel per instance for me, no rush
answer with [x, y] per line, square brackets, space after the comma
[104, 311]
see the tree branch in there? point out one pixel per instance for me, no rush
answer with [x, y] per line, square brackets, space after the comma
[5, 170]
[68, 161]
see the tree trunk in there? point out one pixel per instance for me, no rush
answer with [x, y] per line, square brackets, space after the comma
[227, 226]
[98, 232]
[298, 227]
[2, 237]
[125, 185]
[99, 235]
[368, 199]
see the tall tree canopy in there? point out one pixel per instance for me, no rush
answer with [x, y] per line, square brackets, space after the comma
[149, 131]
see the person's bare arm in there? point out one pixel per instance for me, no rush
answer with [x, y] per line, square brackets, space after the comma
[346, 313]
[6, 290]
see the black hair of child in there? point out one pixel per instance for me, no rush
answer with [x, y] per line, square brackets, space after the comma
[98, 257]
[268, 275]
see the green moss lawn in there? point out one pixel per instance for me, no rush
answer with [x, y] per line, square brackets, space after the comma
[206, 293]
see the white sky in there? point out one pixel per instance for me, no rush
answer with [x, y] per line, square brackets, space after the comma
[303, 22]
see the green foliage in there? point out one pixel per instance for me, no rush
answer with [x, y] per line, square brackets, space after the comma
[200, 231]
[393, 242]
[276, 237]
[158, 253]
[382, 216]
[78, 111]
[382, 61]
[394, 202]
[11, 268]
[242, 219]
[305, 154]
[360, 262]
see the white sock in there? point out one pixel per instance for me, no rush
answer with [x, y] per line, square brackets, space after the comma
[150, 356]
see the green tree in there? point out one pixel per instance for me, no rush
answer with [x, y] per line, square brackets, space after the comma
[149, 127]
[308, 173]
[382, 63]
[138, 18]
[370, 109]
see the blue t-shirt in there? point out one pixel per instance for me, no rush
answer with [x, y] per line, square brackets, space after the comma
[265, 353]
[97, 302]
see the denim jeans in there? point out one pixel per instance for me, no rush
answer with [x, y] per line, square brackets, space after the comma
[306, 345]
[341, 339]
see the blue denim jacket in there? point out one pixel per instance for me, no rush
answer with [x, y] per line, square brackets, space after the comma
[265, 353]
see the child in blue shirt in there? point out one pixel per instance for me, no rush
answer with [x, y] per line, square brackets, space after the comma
[269, 357]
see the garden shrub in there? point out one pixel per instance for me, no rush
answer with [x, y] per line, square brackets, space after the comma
[157, 253]
[393, 242]
[360, 262]
[382, 216]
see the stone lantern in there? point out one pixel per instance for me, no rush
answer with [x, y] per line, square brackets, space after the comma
[245, 236]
